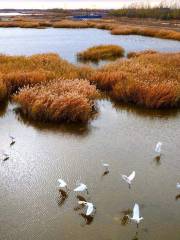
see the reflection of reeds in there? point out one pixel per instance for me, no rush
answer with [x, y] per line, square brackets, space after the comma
[101, 52]
[151, 80]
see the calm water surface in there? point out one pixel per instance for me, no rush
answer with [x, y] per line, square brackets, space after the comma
[67, 42]
[121, 136]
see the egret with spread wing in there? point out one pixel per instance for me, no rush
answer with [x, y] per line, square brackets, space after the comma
[136, 215]
[81, 188]
[90, 207]
[129, 178]
[62, 183]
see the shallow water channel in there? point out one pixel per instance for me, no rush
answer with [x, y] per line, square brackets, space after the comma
[124, 137]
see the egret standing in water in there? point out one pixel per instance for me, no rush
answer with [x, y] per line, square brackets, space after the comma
[5, 157]
[90, 207]
[106, 168]
[136, 215]
[129, 178]
[158, 149]
[12, 140]
[81, 188]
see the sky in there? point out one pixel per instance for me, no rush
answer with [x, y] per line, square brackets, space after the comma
[70, 4]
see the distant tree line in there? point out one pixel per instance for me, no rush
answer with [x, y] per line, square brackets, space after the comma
[161, 12]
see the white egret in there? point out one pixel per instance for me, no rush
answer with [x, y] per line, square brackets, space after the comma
[158, 148]
[178, 185]
[136, 215]
[81, 188]
[129, 178]
[62, 183]
[106, 166]
[90, 207]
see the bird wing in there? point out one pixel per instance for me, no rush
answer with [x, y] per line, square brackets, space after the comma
[80, 188]
[90, 209]
[158, 147]
[62, 182]
[81, 202]
[124, 177]
[132, 176]
[136, 211]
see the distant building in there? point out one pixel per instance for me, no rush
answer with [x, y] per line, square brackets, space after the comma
[87, 16]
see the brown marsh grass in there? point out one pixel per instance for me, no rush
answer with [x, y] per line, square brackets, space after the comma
[137, 54]
[58, 100]
[3, 89]
[146, 31]
[101, 52]
[150, 80]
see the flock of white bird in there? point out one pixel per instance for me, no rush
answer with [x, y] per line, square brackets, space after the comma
[90, 208]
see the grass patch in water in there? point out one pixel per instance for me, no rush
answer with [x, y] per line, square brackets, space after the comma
[58, 100]
[146, 31]
[150, 80]
[101, 52]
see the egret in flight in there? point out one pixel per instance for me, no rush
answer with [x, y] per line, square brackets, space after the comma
[62, 183]
[178, 185]
[158, 149]
[81, 188]
[129, 178]
[136, 215]
[90, 207]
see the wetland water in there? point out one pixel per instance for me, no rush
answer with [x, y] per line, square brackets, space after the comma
[67, 42]
[124, 137]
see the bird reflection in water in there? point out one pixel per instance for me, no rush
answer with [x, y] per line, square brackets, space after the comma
[88, 219]
[136, 236]
[177, 197]
[125, 218]
[157, 160]
[80, 198]
[63, 195]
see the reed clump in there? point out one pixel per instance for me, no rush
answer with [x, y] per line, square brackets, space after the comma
[150, 80]
[146, 31]
[19, 71]
[137, 54]
[71, 24]
[101, 52]
[3, 89]
[58, 100]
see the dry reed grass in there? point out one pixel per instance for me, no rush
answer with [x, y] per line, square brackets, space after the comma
[137, 54]
[71, 24]
[150, 80]
[3, 89]
[59, 100]
[146, 31]
[101, 52]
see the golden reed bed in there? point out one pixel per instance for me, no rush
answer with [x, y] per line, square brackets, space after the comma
[49, 88]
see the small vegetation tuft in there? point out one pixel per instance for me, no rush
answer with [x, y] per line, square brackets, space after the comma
[101, 52]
